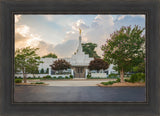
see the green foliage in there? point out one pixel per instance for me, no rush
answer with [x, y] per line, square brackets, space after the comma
[26, 60]
[47, 77]
[47, 71]
[112, 76]
[60, 65]
[138, 77]
[50, 55]
[140, 68]
[125, 49]
[98, 64]
[60, 77]
[88, 76]
[42, 71]
[18, 80]
[118, 80]
[39, 83]
[108, 83]
[20, 77]
[88, 48]
[71, 76]
[66, 77]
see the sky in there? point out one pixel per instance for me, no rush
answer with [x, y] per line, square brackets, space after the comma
[59, 33]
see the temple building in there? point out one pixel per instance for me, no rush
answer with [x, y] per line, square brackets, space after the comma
[79, 62]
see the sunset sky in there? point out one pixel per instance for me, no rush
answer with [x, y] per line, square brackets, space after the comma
[59, 33]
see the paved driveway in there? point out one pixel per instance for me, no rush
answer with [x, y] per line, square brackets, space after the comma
[75, 82]
[78, 94]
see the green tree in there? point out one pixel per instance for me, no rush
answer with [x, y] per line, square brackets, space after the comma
[50, 55]
[27, 61]
[125, 49]
[140, 68]
[47, 71]
[42, 71]
[98, 64]
[60, 65]
[88, 48]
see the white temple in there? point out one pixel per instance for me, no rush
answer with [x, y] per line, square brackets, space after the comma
[79, 62]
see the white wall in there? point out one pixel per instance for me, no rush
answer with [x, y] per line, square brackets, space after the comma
[40, 75]
[102, 75]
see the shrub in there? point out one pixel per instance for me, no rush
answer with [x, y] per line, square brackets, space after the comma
[60, 77]
[18, 80]
[20, 77]
[16, 77]
[118, 80]
[71, 76]
[29, 78]
[54, 77]
[88, 76]
[39, 83]
[47, 77]
[66, 77]
[112, 76]
[108, 83]
[138, 77]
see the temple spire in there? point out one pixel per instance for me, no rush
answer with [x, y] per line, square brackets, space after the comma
[79, 31]
[79, 50]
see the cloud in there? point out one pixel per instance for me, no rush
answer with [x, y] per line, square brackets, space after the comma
[17, 18]
[22, 30]
[67, 48]
[121, 17]
[45, 48]
[79, 24]
[101, 28]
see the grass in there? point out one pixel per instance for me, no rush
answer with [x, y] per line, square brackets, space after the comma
[38, 83]
[111, 82]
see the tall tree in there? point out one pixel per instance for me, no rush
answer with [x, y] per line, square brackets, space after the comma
[98, 64]
[42, 71]
[50, 55]
[26, 60]
[125, 49]
[60, 65]
[89, 48]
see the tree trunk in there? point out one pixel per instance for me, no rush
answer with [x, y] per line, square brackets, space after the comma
[24, 77]
[122, 75]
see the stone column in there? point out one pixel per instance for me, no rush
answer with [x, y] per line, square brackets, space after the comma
[86, 72]
[72, 73]
[109, 72]
[50, 70]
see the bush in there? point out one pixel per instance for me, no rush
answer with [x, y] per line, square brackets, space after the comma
[71, 76]
[29, 78]
[66, 77]
[118, 80]
[18, 80]
[108, 83]
[54, 77]
[39, 83]
[60, 77]
[138, 77]
[47, 77]
[88, 76]
[20, 77]
[112, 76]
